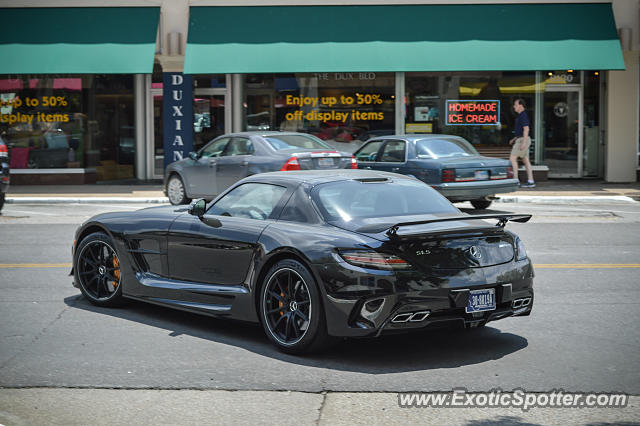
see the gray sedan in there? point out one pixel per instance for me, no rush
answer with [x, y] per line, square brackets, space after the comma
[229, 158]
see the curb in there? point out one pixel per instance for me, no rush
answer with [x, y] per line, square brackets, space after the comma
[587, 199]
[87, 200]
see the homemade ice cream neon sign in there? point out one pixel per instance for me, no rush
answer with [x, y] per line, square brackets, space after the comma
[472, 112]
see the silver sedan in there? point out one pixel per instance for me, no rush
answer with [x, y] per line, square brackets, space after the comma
[231, 157]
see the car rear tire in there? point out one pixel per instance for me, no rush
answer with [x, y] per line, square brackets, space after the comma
[2, 197]
[481, 204]
[291, 309]
[97, 270]
[176, 192]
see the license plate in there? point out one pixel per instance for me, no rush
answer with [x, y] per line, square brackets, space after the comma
[325, 162]
[482, 174]
[481, 300]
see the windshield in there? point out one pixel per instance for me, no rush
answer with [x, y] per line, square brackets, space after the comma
[352, 199]
[440, 148]
[296, 141]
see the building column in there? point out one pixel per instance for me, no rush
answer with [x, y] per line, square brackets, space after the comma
[400, 104]
[140, 125]
[622, 121]
[237, 102]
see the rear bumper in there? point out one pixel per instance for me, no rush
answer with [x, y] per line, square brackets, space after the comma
[465, 191]
[363, 304]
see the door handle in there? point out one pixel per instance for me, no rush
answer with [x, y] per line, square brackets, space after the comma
[212, 163]
[368, 167]
[395, 169]
[245, 163]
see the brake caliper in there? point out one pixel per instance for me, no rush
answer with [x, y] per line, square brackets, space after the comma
[116, 271]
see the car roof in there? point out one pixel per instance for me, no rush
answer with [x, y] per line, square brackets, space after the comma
[412, 137]
[316, 177]
[263, 133]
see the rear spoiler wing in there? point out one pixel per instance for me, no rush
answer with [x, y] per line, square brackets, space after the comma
[502, 219]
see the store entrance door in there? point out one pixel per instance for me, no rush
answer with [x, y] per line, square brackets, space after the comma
[210, 119]
[563, 138]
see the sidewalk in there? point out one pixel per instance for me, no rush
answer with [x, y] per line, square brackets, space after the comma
[97, 193]
[553, 190]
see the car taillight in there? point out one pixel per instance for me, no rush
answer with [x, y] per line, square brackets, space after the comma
[4, 152]
[354, 162]
[448, 175]
[373, 259]
[509, 172]
[521, 252]
[291, 164]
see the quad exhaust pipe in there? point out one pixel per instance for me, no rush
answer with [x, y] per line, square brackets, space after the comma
[411, 317]
[521, 303]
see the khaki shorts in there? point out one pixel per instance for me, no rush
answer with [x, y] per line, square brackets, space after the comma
[519, 153]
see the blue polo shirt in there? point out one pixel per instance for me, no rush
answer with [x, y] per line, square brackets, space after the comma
[521, 120]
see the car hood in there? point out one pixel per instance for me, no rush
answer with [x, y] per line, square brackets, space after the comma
[147, 212]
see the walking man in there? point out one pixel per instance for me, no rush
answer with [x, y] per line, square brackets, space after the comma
[521, 143]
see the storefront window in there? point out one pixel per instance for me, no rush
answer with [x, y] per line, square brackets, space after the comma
[70, 121]
[476, 106]
[216, 81]
[208, 118]
[341, 108]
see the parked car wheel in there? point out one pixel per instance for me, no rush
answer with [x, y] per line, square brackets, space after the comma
[97, 270]
[2, 197]
[176, 192]
[481, 204]
[290, 308]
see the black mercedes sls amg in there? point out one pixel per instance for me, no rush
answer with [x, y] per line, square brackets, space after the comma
[312, 256]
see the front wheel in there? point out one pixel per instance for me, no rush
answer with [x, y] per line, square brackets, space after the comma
[481, 204]
[291, 311]
[176, 192]
[97, 270]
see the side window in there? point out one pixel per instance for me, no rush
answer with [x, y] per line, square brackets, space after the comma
[251, 200]
[215, 148]
[239, 146]
[393, 152]
[369, 151]
[298, 209]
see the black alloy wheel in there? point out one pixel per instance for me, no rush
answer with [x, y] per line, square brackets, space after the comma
[291, 310]
[97, 270]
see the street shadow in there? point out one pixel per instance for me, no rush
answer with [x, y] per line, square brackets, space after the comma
[473, 212]
[416, 351]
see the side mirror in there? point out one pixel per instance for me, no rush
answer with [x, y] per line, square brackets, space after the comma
[193, 156]
[197, 207]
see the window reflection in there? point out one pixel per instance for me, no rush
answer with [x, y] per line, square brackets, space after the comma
[70, 121]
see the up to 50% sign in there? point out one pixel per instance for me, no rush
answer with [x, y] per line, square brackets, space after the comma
[45, 101]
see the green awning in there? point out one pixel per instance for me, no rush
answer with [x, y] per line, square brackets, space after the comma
[78, 40]
[470, 37]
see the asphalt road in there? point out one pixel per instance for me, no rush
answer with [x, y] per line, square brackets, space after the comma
[581, 336]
